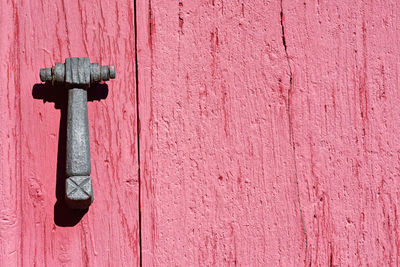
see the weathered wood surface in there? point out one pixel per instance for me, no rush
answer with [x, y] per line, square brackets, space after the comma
[218, 181]
[37, 34]
[344, 57]
[268, 134]
[259, 150]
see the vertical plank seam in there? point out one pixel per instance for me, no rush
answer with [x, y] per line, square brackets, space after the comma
[138, 136]
[291, 133]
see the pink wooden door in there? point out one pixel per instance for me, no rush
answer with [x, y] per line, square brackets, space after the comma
[267, 134]
[35, 228]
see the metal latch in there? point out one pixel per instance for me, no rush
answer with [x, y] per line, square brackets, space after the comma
[77, 74]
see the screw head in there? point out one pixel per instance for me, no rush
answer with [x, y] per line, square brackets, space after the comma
[46, 74]
[112, 71]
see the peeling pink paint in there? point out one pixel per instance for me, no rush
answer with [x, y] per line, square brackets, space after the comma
[32, 223]
[267, 134]
[275, 145]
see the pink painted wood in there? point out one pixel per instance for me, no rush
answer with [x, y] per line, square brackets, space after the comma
[219, 184]
[344, 57]
[38, 34]
[259, 150]
[268, 134]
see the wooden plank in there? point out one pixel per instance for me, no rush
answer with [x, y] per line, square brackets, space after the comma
[344, 57]
[35, 228]
[10, 145]
[218, 176]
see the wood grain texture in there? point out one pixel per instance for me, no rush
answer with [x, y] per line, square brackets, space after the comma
[10, 145]
[37, 34]
[344, 58]
[269, 133]
[219, 183]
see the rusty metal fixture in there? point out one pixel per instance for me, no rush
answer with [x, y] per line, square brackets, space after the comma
[77, 74]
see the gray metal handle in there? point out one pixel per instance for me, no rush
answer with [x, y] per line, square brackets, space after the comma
[78, 74]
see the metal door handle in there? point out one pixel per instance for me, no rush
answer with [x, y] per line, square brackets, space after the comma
[77, 74]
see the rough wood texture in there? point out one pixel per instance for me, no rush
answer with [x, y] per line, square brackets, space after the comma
[269, 138]
[344, 57]
[268, 134]
[38, 34]
[219, 183]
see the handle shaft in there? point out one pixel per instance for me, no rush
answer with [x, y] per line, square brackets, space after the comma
[78, 147]
[79, 191]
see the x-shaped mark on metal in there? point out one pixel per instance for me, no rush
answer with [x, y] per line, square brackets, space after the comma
[79, 189]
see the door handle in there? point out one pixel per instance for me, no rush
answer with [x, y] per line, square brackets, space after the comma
[77, 74]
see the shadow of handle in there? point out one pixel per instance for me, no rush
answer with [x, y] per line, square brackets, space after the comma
[57, 93]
